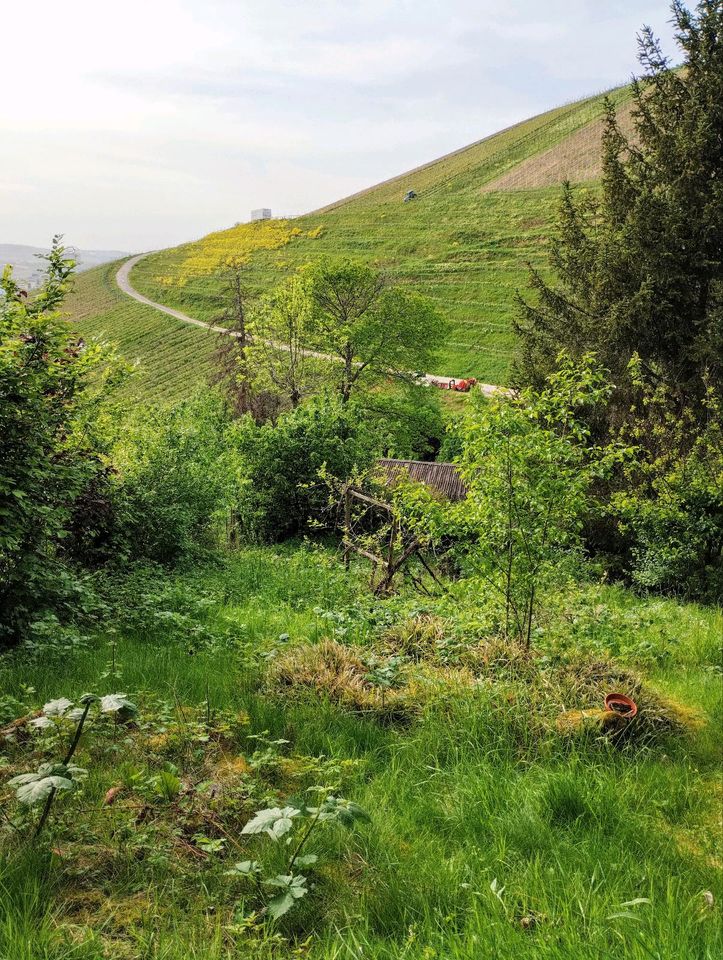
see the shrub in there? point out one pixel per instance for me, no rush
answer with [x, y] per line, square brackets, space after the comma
[283, 491]
[172, 480]
[529, 464]
[670, 509]
[50, 386]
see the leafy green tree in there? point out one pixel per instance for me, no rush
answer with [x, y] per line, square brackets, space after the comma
[231, 355]
[50, 387]
[638, 265]
[669, 508]
[172, 479]
[529, 466]
[406, 418]
[282, 355]
[371, 328]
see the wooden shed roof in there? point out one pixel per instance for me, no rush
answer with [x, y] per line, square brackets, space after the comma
[442, 477]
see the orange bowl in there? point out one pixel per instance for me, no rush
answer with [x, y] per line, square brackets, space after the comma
[621, 704]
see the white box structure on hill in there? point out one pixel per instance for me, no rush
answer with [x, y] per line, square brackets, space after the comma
[263, 213]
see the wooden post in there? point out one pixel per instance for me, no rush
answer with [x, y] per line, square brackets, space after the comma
[347, 524]
[386, 581]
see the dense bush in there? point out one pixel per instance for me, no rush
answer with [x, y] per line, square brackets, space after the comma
[172, 479]
[669, 505]
[51, 384]
[407, 420]
[282, 491]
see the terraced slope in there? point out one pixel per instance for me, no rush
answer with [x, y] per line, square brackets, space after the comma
[171, 358]
[482, 214]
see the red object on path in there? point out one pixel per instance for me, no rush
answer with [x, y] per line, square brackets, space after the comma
[621, 704]
[462, 386]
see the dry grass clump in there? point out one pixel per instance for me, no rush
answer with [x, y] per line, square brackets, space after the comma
[420, 638]
[580, 688]
[430, 639]
[568, 697]
[337, 673]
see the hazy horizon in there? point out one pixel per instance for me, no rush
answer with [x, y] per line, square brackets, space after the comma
[144, 128]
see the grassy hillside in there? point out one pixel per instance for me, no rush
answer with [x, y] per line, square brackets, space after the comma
[171, 357]
[465, 241]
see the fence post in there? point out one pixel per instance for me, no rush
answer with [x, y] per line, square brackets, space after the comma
[347, 524]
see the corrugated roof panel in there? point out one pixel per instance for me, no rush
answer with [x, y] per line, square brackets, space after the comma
[442, 477]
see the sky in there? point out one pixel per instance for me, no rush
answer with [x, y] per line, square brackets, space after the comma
[142, 124]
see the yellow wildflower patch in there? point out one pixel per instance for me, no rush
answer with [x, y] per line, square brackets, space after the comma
[238, 244]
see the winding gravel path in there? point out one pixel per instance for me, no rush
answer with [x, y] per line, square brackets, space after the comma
[124, 284]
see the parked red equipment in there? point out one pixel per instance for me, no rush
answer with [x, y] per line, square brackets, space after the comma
[463, 386]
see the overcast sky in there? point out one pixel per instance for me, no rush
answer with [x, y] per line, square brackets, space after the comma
[144, 123]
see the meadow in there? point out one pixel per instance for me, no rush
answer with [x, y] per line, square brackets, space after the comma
[490, 832]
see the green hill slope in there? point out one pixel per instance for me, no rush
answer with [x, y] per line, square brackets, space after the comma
[172, 358]
[482, 214]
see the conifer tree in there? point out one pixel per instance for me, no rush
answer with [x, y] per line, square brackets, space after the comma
[638, 264]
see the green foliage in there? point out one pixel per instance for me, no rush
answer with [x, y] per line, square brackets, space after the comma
[42, 785]
[640, 270]
[283, 328]
[529, 465]
[36, 787]
[670, 506]
[339, 325]
[278, 822]
[406, 418]
[172, 479]
[370, 328]
[51, 386]
[282, 490]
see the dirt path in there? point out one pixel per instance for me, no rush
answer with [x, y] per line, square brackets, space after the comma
[124, 284]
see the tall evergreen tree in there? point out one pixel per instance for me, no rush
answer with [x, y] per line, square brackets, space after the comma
[638, 265]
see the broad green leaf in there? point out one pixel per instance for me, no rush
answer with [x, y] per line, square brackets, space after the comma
[244, 868]
[343, 811]
[36, 790]
[307, 861]
[117, 703]
[281, 905]
[293, 888]
[57, 708]
[274, 821]
[41, 723]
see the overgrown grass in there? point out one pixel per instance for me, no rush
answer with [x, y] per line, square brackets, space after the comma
[491, 835]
